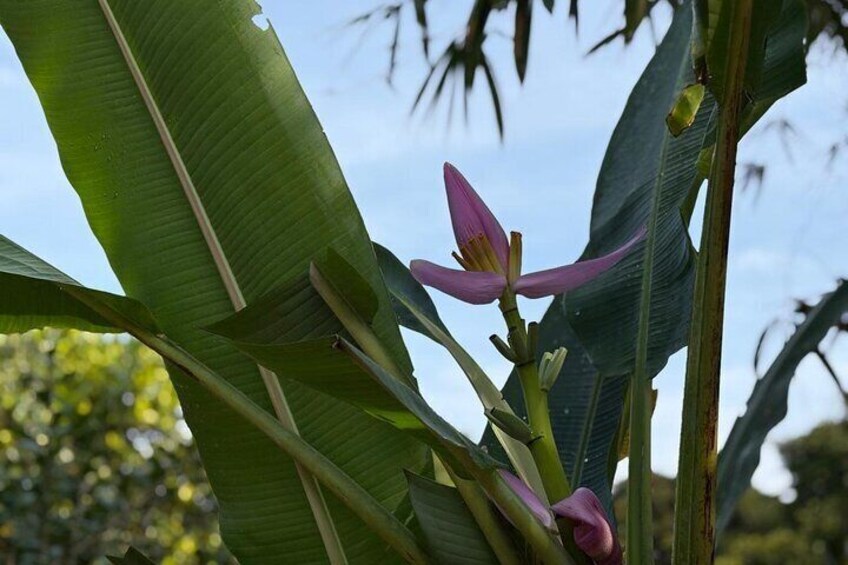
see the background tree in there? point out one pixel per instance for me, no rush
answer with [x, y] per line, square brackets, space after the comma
[812, 529]
[95, 455]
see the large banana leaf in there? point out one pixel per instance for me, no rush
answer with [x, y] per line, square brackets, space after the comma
[207, 179]
[767, 404]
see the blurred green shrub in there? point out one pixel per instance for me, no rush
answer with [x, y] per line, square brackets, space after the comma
[95, 456]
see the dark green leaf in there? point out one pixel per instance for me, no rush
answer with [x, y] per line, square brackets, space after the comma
[448, 526]
[404, 291]
[767, 404]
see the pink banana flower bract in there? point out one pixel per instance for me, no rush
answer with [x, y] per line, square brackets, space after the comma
[593, 533]
[491, 262]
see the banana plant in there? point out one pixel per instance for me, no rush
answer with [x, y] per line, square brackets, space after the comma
[207, 179]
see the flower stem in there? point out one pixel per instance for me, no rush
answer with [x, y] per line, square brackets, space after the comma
[545, 546]
[694, 516]
[482, 511]
[543, 448]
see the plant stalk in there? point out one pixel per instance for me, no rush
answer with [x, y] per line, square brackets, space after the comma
[694, 518]
[546, 546]
[640, 519]
[544, 448]
[491, 526]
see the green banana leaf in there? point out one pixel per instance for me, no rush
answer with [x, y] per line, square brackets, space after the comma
[448, 526]
[35, 294]
[207, 179]
[767, 404]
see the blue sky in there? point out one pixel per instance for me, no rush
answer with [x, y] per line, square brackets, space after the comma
[788, 242]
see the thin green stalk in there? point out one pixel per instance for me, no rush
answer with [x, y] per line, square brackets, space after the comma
[640, 519]
[490, 396]
[694, 517]
[358, 328]
[348, 491]
[490, 524]
[586, 432]
[544, 543]
[543, 449]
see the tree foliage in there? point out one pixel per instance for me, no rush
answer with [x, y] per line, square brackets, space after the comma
[95, 455]
[812, 529]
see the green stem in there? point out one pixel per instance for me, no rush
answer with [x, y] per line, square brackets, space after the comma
[358, 328]
[543, 449]
[694, 517]
[640, 526]
[490, 396]
[348, 491]
[545, 545]
[586, 432]
[491, 525]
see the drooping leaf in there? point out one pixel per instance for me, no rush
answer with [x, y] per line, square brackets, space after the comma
[448, 526]
[421, 18]
[634, 12]
[405, 291]
[34, 294]
[207, 179]
[767, 404]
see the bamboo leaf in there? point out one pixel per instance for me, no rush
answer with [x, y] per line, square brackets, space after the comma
[207, 179]
[521, 41]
